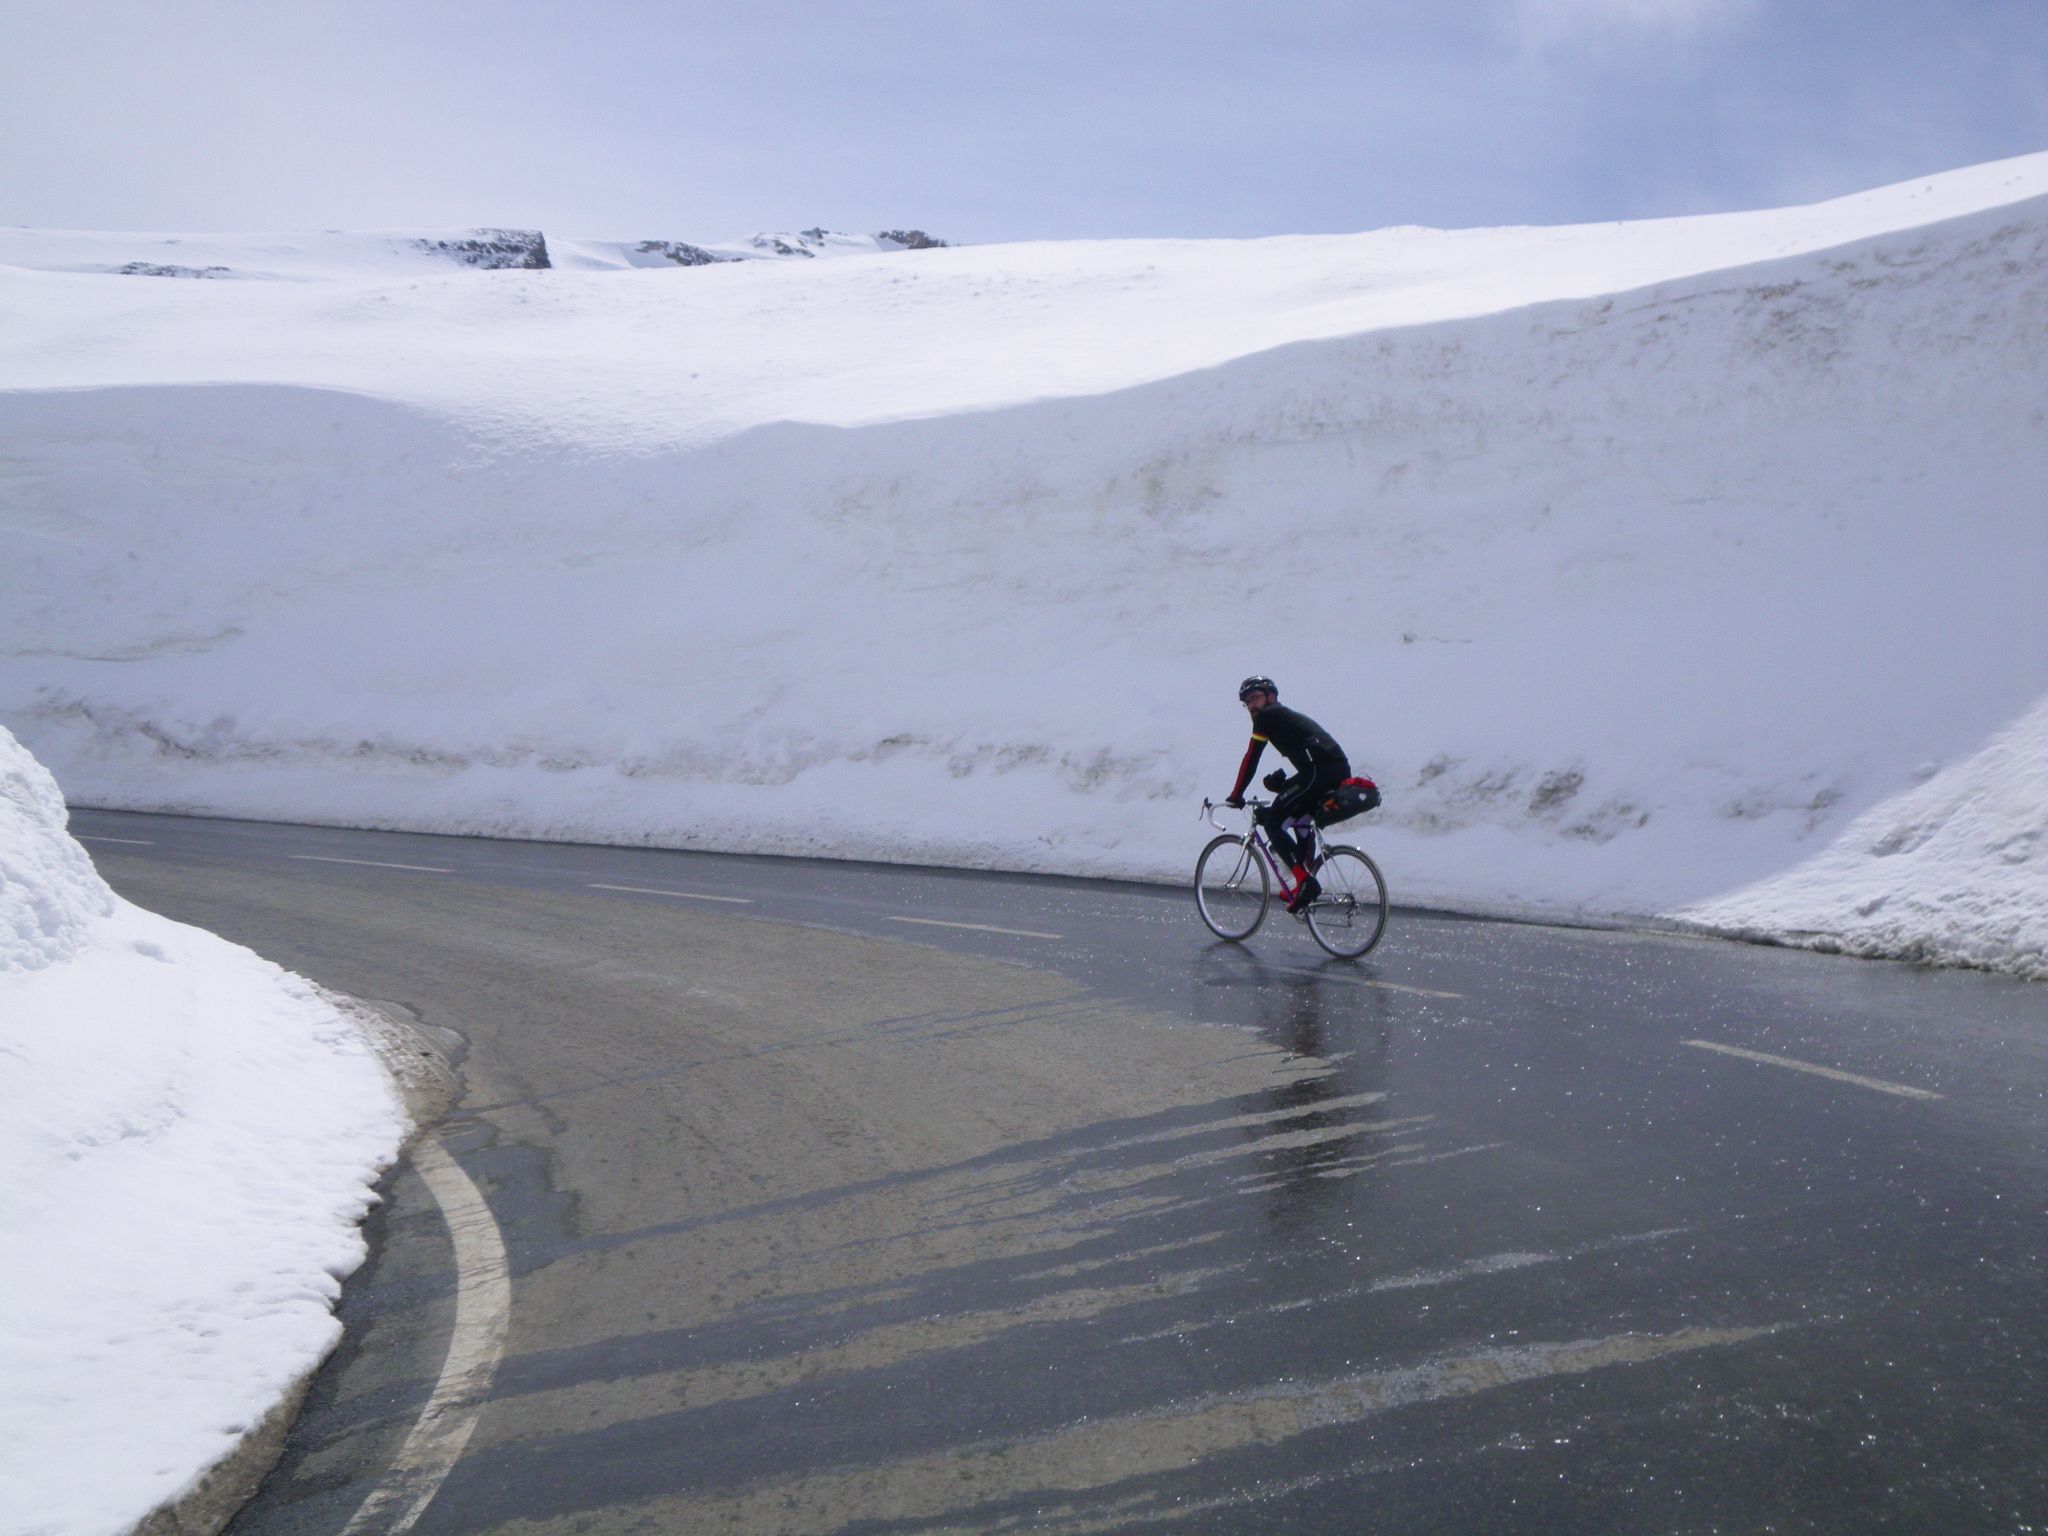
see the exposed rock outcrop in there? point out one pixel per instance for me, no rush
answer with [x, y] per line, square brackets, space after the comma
[681, 252]
[494, 249]
[164, 269]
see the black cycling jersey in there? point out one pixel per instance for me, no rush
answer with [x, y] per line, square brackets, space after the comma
[1312, 750]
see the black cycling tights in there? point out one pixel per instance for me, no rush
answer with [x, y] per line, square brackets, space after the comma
[1299, 799]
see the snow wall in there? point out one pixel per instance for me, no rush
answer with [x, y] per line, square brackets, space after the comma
[190, 1135]
[1633, 604]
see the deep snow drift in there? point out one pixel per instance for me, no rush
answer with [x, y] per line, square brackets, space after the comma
[189, 1136]
[1641, 563]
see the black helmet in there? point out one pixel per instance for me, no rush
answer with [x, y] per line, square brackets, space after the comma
[1256, 684]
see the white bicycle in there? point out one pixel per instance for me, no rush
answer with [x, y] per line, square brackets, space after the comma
[1236, 875]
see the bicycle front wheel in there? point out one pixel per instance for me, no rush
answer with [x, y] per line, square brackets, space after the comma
[1232, 887]
[1349, 916]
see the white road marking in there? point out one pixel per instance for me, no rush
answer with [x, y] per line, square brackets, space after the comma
[321, 858]
[1806, 1066]
[934, 922]
[648, 890]
[1396, 986]
[1330, 974]
[94, 837]
[483, 1309]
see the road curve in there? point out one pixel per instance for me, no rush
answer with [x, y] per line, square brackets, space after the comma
[854, 1198]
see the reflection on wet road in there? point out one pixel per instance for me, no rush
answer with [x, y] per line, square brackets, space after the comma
[1042, 1212]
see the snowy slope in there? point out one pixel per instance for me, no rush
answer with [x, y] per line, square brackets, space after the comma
[340, 255]
[1636, 561]
[326, 257]
[802, 245]
[189, 1135]
[636, 358]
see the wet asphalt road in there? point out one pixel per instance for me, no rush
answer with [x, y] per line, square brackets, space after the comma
[823, 1219]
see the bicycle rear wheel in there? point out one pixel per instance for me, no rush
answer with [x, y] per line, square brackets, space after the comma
[1232, 887]
[1349, 916]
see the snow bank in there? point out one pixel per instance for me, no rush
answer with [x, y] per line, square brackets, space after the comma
[189, 1135]
[1951, 872]
[51, 899]
[1635, 561]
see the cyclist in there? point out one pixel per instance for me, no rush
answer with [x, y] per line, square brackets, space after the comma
[1319, 767]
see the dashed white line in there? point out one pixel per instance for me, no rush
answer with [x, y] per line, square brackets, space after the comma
[1398, 986]
[321, 858]
[94, 837]
[648, 890]
[483, 1309]
[936, 922]
[1787, 1062]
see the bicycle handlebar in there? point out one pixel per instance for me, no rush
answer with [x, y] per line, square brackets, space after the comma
[1211, 807]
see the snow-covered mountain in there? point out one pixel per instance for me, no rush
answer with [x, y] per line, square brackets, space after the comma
[340, 255]
[326, 256]
[806, 245]
[1645, 565]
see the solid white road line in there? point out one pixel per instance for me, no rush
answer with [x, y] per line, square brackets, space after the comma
[94, 837]
[483, 1309]
[648, 890]
[933, 922]
[321, 858]
[1806, 1066]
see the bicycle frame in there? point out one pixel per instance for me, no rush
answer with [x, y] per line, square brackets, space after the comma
[1282, 878]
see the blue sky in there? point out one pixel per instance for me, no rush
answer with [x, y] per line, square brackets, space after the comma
[984, 121]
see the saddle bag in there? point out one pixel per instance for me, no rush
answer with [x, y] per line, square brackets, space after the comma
[1354, 797]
